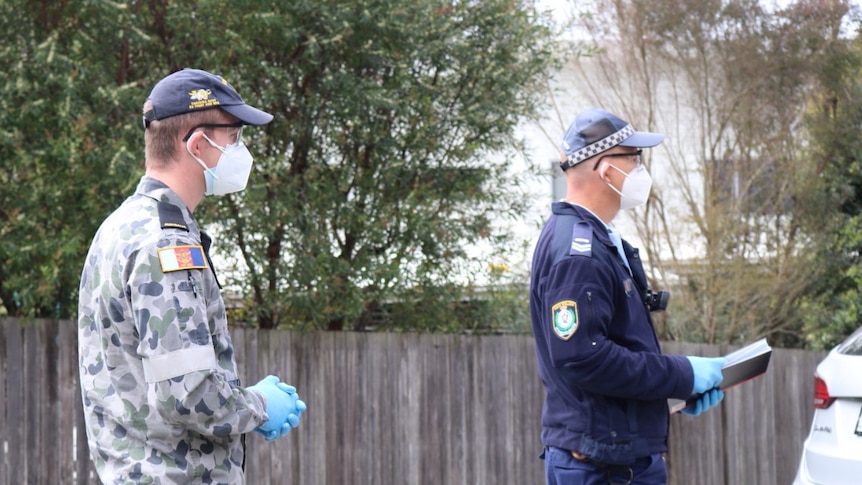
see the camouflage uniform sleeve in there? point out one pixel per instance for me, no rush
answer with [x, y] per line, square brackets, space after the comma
[188, 384]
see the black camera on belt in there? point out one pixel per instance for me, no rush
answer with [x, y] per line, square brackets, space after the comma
[656, 301]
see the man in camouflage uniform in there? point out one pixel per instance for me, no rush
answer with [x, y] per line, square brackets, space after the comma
[161, 392]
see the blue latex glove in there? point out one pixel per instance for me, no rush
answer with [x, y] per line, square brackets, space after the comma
[283, 407]
[707, 372]
[707, 400]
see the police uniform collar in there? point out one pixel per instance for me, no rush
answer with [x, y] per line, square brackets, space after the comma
[563, 207]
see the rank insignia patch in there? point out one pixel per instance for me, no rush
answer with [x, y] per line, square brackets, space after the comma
[581, 245]
[565, 316]
[176, 258]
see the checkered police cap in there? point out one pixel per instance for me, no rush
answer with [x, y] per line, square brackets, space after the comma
[595, 131]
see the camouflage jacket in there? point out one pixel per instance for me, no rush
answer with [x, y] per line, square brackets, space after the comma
[162, 400]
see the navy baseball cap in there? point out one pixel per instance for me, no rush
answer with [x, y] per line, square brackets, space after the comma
[191, 90]
[595, 131]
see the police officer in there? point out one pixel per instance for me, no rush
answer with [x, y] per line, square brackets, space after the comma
[162, 397]
[605, 417]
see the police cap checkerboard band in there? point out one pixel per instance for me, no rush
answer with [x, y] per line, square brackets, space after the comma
[607, 382]
[163, 402]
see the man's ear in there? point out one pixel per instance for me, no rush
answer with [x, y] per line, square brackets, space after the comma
[193, 144]
[603, 171]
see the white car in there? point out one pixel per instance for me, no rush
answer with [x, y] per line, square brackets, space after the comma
[832, 453]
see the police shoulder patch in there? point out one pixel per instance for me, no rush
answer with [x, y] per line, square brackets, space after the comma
[565, 317]
[177, 258]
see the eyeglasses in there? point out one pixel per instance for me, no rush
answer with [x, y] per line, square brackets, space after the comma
[236, 136]
[620, 155]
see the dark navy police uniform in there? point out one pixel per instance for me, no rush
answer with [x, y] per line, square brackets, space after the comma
[606, 381]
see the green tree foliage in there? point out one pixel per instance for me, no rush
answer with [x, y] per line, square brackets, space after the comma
[385, 163]
[66, 145]
[832, 309]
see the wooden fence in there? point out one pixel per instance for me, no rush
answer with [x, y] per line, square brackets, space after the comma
[400, 409]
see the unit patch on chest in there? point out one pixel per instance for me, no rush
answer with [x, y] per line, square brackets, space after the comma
[565, 318]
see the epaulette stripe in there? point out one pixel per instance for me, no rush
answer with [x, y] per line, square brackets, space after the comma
[581, 247]
[582, 240]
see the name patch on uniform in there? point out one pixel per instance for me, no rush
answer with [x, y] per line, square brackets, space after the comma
[176, 258]
[565, 317]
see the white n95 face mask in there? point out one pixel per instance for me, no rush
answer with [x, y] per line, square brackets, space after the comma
[231, 171]
[636, 187]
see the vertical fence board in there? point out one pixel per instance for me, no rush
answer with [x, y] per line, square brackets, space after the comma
[315, 354]
[525, 395]
[487, 410]
[68, 392]
[4, 401]
[15, 456]
[280, 366]
[9, 369]
[452, 357]
[50, 413]
[408, 455]
[32, 394]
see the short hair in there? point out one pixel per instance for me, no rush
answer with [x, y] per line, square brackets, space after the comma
[161, 136]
